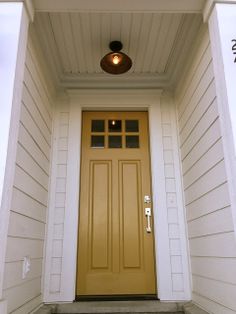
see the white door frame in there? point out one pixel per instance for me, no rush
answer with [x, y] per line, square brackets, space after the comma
[124, 100]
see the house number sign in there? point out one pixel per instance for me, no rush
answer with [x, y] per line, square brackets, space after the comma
[234, 48]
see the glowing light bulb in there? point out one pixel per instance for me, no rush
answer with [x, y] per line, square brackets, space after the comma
[116, 59]
[113, 122]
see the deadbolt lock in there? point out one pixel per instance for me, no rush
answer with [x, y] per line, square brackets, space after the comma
[147, 199]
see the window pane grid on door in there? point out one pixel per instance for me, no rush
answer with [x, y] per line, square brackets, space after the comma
[115, 133]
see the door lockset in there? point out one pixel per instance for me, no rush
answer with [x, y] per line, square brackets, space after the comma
[148, 214]
[147, 199]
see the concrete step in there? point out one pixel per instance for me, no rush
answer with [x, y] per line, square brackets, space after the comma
[114, 307]
[121, 307]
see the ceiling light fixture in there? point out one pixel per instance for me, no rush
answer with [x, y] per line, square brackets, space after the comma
[116, 62]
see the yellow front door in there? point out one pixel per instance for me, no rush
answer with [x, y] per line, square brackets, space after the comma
[116, 249]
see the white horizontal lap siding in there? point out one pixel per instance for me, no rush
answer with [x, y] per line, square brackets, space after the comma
[209, 218]
[30, 192]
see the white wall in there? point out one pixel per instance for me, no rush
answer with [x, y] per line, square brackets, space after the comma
[30, 190]
[172, 262]
[208, 209]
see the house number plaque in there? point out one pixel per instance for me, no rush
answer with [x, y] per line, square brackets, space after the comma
[234, 48]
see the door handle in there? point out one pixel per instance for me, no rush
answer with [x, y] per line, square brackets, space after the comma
[148, 215]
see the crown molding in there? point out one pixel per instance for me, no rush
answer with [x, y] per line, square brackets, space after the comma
[209, 6]
[127, 98]
[161, 6]
[104, 81]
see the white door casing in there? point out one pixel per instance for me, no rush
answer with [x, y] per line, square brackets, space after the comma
[170, 238]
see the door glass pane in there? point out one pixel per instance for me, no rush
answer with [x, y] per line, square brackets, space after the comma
[132, 141]
[131, 126]
[115, 141]
[97, 141]
[114, 125]
[98, 126]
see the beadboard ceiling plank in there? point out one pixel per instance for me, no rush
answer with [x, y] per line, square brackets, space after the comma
[170, 43]
[77, 35]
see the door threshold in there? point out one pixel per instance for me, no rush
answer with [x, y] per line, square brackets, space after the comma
[119, 297]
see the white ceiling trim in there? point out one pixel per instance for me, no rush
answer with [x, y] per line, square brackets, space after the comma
[160, 6]
[134, 81]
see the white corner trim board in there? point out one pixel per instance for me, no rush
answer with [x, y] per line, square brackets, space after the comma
[222, 23]
[125, 100]
[3, 306]
[13, 37]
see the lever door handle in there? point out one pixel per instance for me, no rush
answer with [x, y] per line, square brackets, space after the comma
[148, 214]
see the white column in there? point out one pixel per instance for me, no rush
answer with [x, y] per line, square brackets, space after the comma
[13, 37]
[222, 27]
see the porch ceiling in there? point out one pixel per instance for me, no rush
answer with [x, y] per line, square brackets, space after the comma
[74, 42]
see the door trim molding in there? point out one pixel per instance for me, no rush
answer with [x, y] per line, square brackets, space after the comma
[123, 100]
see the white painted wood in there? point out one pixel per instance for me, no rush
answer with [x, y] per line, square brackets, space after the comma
[39, 78]
[190, 121]
[55, 283]
[68, 274]
[30, 306]
[177, 280]
[56, 266]
[181, 211]
[29, 165]
[27, 141]
[209, 138]
[163, 265]
[57, 248]
[195, 57]
[78, 41]
[221, 23]
[200, 79]
[24, 227]
[189, 30]
[205, 179]
[214, 245]
[26, 230]
[212, 179]
[209, 305]
[25, 205]
[28, 185]
[14, 28]
[131, 5]
[212, 157]
[17, 248]
[209, 117]
[207, 204]
[13, 273]
[37, 92]
[3, 306]
[217, 222]
[49, 250]
[220, 292]
[64, 230]
[32, 127]
[34, 111]
[221, 269]
[19, 295]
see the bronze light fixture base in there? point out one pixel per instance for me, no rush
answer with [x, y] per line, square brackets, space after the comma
[116, 62]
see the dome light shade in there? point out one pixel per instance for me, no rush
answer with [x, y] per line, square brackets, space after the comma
[116, 62]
